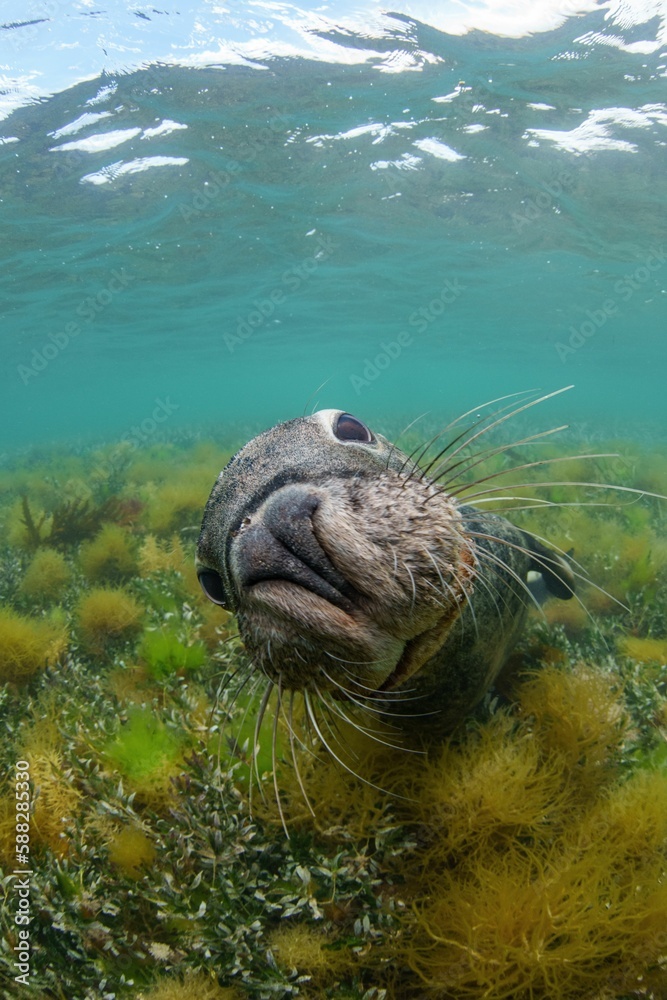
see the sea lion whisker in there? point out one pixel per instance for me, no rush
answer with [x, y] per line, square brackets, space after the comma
[445, 586]
[486, 556]
[376, 710]
[539, 503]
[412, 581]
[294, 729]
[487, 453]
[598, 486]
[501, 420]
[352, 663]
[321, 386]
[293, 737]
[497, 596]
[233, 746]
[583, 576]
[462, 589]
[274, 757]
[395, 556]
[335, 706]
[225, 679]
[547, 565]
[393, 696]
[329, 718]
[493, 592]
[382, 698]
[461, 439]
[423, 450]
[254, 769]
[338, 686]
[373, 734]
[489, 402]
[359, 777]
[417, 454]
[476, 579]
[452, 489]
[404, 431]
[355, 698]
[420, 473]
[257, 680]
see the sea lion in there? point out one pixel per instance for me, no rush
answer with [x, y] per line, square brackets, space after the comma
[355, 576]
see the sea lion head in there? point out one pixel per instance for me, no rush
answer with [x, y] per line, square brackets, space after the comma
[345, 566]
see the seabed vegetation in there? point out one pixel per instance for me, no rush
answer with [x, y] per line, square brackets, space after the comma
[526, 859]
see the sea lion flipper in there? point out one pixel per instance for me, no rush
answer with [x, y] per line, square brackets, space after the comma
[556, 572]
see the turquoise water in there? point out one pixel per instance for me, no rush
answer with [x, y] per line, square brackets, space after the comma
[208, 213]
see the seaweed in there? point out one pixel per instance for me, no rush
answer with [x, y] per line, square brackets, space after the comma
[108, 616]
[46, 578]
[29, 644]
[526, 858]
[70, 522]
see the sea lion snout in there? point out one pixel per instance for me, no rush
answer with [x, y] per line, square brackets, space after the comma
[279, 542]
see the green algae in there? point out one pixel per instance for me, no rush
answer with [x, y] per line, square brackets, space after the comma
[164, 653]
[144, 747]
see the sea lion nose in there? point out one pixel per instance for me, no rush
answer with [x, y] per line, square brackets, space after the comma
[279, 543]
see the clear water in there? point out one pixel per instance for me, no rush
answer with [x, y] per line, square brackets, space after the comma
[207, 213]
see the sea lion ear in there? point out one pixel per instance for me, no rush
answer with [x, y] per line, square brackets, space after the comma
[555, 570]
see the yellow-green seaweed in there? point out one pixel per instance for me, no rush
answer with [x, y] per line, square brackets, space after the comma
[46, 577]
[27, 645]
[130, 850]
[110, 557]
[165, 654]
[147, 753]
[106, 616]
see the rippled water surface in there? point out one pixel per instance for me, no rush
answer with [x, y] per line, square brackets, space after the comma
[208, 212]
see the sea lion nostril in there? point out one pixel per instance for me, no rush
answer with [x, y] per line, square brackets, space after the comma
[212, 585]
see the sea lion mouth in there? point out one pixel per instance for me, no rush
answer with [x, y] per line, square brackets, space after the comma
[281, 544]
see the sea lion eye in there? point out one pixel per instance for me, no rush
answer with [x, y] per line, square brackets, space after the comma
[211, 583]
[349, 428]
